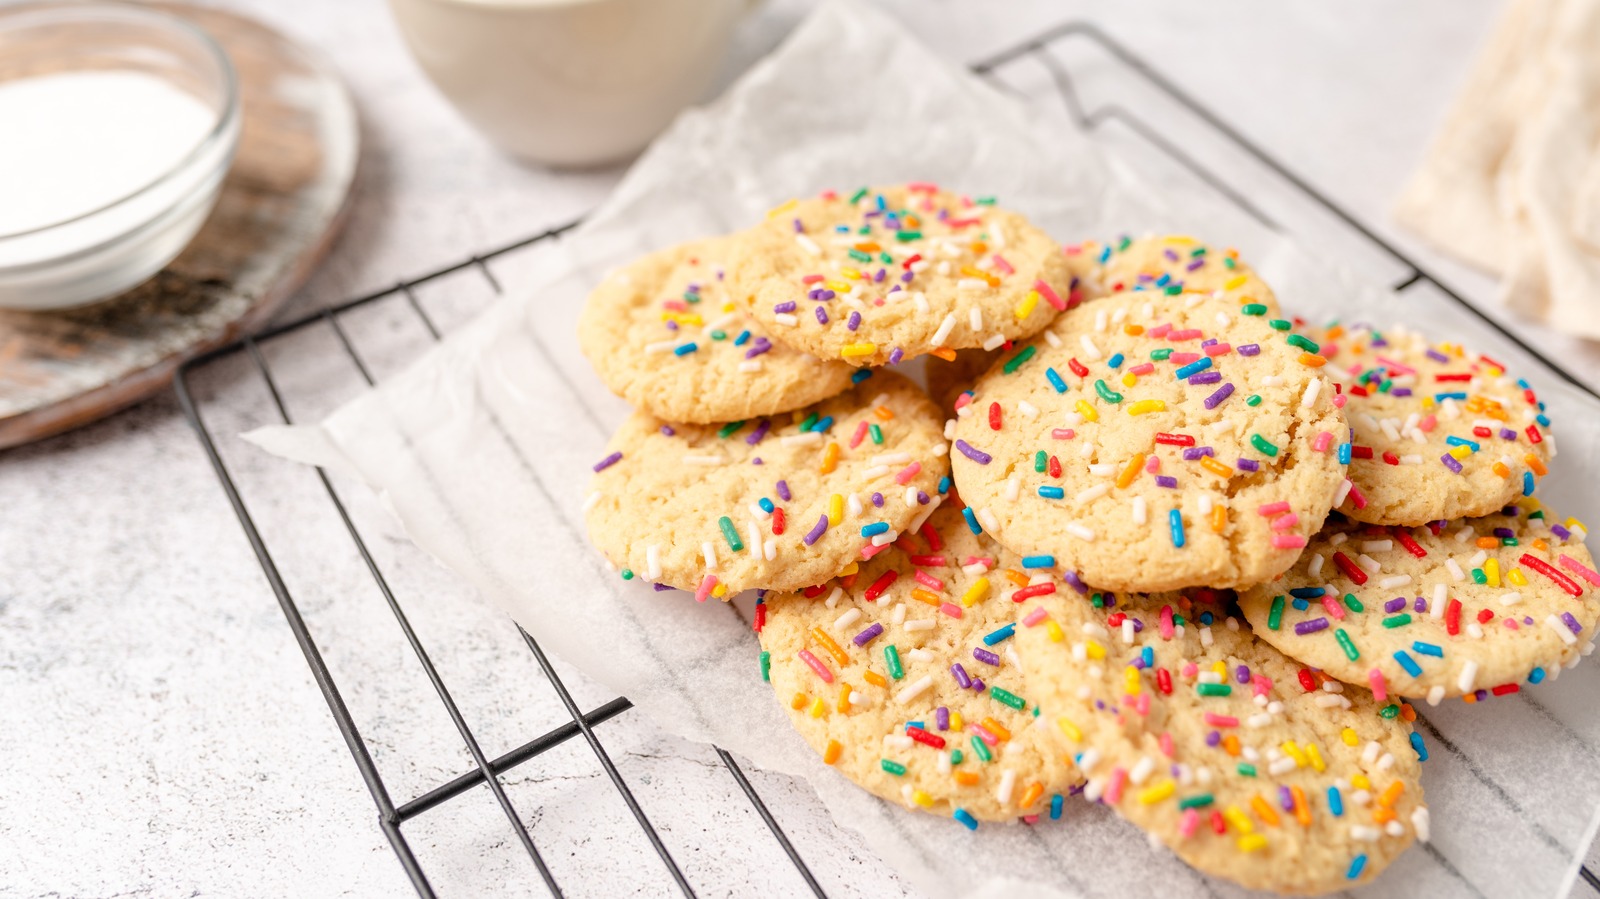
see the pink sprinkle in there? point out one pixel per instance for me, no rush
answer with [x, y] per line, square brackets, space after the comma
[1004, 266]
[859, 435]
[1510, 623]
[1063, 433]
[1339, 400]
[928, 580]
[1582, 570]
[1183, 358]
[1153, 464]
[1322, 440]
[1215, 720]
[1219, 349]
[907, 473]
[1187, 822]
[1399, 367]
[812, 279]
[1166, 743]
[1427, 423]
[1186, 334]
[985, 561]
[1357, 498]
[963, 399]
[1034, 617]
[1159, 330]
[1260, 685]
[1285, 522]
[1190, 669]
[869, 550]
[1380, 690]
[1142, 705]
[1166, 622]
[707, 584]
[984, 734]
[817, 666]
[1143, 368]
[1267, 510]
[1050, 296]
[676, 305]
[1030, 819]
[1113, 793]
[951, 609]
[1288, 541]
[1334, 607]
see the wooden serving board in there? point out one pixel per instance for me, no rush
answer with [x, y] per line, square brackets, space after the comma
[278, 212]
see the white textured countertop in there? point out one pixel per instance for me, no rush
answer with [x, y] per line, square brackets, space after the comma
[160, 732]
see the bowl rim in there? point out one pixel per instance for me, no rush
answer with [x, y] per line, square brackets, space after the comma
[224, 130]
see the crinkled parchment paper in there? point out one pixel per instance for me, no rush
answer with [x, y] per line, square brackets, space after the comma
[483, 450]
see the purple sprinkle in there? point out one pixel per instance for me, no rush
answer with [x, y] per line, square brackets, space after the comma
[761, 345]
[1400, 391]
[798, 227]
[1480, 695]
[906, 276]
[985, 656]
[922, 498]
[1138, 624]
[1138, 662]
[978, 684]
[1242, 674]
[1171, 254]
[1450, 463]
[1073, 581]
[816, 533]
[827, 295]
[1209, 341]
[786, 306]
[1193, 453]
[1507, 434]
[1528, 620]
[783, 491]
[822, 315]
[941, 718]
[1571, 623]
[1395, 605]
[608, 461]
[1560, 531]
[854, 321]
[1507, 532]
[756, 461]
[973, 453]
[878, 278]
[1247, 465]
[661, 588]
[672, 326]
[1249, 349]
[868, 635]
[895, 355]
[1419, 605]
[761, 431]
[1195, 265]
[1437, 356]
[815, 294]
[1166, 480]
[1222, 393]
[1286, 799]
[877, 500]
[668, 430]
[960, 674]
[1311, 627]
[1213, 738]
[1206, 377]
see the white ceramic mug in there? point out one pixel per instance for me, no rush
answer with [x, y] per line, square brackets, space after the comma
[570, 82]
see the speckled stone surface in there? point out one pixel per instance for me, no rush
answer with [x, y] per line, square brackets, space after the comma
[162, 734]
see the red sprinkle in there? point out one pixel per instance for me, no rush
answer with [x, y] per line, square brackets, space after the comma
[994, 416]
[813, 592]
[1485, 616]
[925, 738]
[1391, 458]
[1404, 538]
[880, 585]
[1307, 681]
[1533, 434]
[1174, 439]
[1077, 368]
[1504, 689]
[1351, 570]
[1164, 681]
[930, 561]
[1032, 591]
[1452, 617]
[761, 617]
[1054, 467]
[1567, 584]
[777, 522]
[932, 536]
[1360, 452]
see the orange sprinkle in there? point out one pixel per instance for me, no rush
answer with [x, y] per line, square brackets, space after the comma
[944, 353]
[1131, 470]
[1032, 794]
[833, 648]
[875, 679]
[1407, 713]
[1541, 546]
[1219, 518]
[1391, 794]
[844, 697]
[980, 247]
[1501, 470]
[1383, 815]
[1536, 465]
[883, 412]
[832, 753]
[1487, 542]
[1217, 468]
[1312, 360]
[1133, 330]
[996, 728]
[798, 701]
[967, 778]
[1302, 811]
[1230, 743]
[868, 247]
[830, 458]
[928, 596]
[1265, 810]
[1016, 577]
[1333, 333]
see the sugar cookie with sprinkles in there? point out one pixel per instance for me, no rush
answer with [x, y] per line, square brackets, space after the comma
[1245, 764]
[776, 503]
[900, 675]
[880, 275]
[1147, 449]
[1473, 607]
[664, 334]
[1440, 431]
[1176, 263]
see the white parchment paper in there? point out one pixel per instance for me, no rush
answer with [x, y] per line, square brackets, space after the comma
[483, 449]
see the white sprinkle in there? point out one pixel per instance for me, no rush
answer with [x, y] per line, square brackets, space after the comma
[1436, 694]
[1079, 531]
[809, 438]
[1100, 321]
[1371, 565]
[1456, 574]
[920, 624]
[1343, 492]
[852, 505]
[1468, 676]
[920, 301]
[994, 342]
[1013, 488]
[986, 519]
[1008, 785]
[1560, 629]
[1089, 349]
[1026, 408]
[1314, 569]
[898, 616]
[848, 618]
[1376, 546]
[914, 689]
[1441, 597]
[945, 327]
[875, 472]
[590, 501]
[971, 284]
[770, 548]
[1051, 338]
[834, 597]
[1139, 513]
[753, 528]
[1390, 583]
[975, 318]
[1421, 823]
[1092, 493]
[660, 346]
[1141, 770]
[1511, 598]
[750, 366]
[807, 244]
[652, 562]
[710, 553]
[786, 319]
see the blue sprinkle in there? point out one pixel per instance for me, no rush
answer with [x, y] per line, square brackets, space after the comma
[1356, 866]
[1038, 561]
[822, 426]
[1419, 746]
[1428, 649]
[1453, 440]
[1335, 802]
[1300, 604]
[1543, 420]
[860, 374]
[1193, 368]
[874, 529]
[971, 823]
[766, 505]
[1056, 802]
[1438, 397]
[1054, 378]
[684, 349]
[1306, 592]
[1527, 483]
[1408, 663]
[744, 338]
[1052, 492]
[1536, 675]
[1000, 635]
[1149, 656]
[944, 484]
[1175, 524]
[1115, 361]
[972, 520]
[1523, 383]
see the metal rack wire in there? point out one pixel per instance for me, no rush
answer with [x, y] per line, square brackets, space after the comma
[393, 816]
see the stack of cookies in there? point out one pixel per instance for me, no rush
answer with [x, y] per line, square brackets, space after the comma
[1154, 544]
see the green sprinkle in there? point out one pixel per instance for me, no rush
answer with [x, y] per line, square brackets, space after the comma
[1275, 617]
[766, 666]
[1038, 460]
[1389, 711]
[1200, 801]
[1197, 251]
[1097, 600]
[1228, 262]
[859, 256]
[1254, 400]
[1173, 290]
[1400, 620]
[1254, 309]
[1350, 651]
[1106, 393]
[809, 423]
[1123, 243]
[856, 197]
[1478, 577]
[1353, 604]
[1246, 770]
[984, 201]
[956, 757]
[1161, 354]
[893, 767]
[1015, 361]
[719, 334]
[886, 259]
[691, 298]
[876, 432]
[727, 430]
[1279, 324]
[1263, 445]
[1508, 541]
[1007, 697]
[906, 236]
[981, 749]
[1301, 342]
[1214, 689]
[891, 656]
[729, 534]
[627, 574]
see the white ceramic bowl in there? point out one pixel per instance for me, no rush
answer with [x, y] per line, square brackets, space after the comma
[116, 247]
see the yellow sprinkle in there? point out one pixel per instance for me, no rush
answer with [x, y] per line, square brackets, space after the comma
[1026, 307]
[830, 458]
[955, 721]
[1360, 782]
[851, 273]
[1427, 402]
[1517, 578]
[858, 349]
[819, 708]
[1131, 470]
[1054, 630]
[1349, 737]
[1129, 379]
[728, 307]
[1130, 680]
[921, 798]
[1152, 795]
[1460, 452]
[1072, 731]
[1265, 810]
[1096, 651]
[720, 590]
[850, 569]
[1315, 754]
[832, 753]
[1144, 406]
[1087, 411]
[844, 697]
[1491, 571]
[975, 592]
[835, 510]
[1253, 842]
[1293, 751]
[1238, 819]
[781, 209]
[837, 286]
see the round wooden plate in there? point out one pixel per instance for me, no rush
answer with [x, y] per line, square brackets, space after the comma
[279, 209]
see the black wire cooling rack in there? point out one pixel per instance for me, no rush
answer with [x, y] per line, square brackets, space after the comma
[393, 816]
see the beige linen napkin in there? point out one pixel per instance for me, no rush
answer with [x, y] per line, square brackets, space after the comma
[1512, 181]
